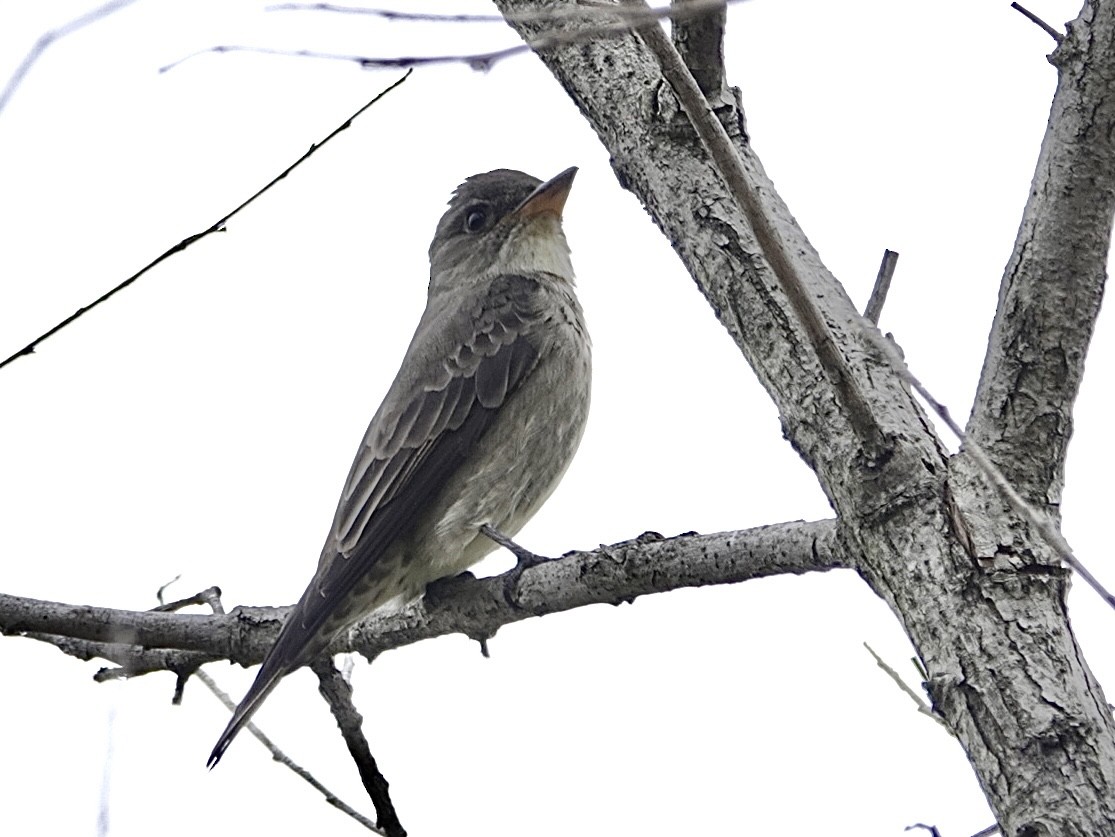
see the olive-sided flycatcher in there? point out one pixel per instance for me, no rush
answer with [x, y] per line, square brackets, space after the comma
[476, 430]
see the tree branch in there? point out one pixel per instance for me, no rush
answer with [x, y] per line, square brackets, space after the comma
[286, 761]
[1033, 18]
[145, 641]
[605, 20]
[776, 251]
[217, 226]
[1053, 284]
[47, 38]
[700, 43]
[1002, 664]
[338, 694]
[882, 287]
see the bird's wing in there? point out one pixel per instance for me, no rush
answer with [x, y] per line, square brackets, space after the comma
[461, 367]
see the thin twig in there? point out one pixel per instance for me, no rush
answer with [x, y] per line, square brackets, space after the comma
[283, 759]
[481, 61]
[923, 707]
[484, 61]
[212, 596]
[727, 161]
[49, 37]
[205, 597]
[882, 287]
[388, 14]
[576, 11]
[338, 694]
[1053, 33]
[987, 832]
[218, 226]
[159, 593]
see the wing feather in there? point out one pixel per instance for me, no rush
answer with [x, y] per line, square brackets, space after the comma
[425, 430]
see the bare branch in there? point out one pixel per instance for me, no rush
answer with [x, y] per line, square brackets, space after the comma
[882, 287]
[392, 14]
[700, 43]
[1041, 522]
[954, 607]
[217, 226]
[1057, 36]
[480, 61]
[285, 760]
[338, 694]
[576, 11]
[48, 38]
[918, 700]
[210, 596]
[148, 641]
[723, 153]
[581, 10]
[730, 166]
[622, 22]
[1053, 283]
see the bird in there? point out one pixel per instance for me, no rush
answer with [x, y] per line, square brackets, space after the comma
[477, 429]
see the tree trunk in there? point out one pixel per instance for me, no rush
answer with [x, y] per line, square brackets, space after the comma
[981, 597]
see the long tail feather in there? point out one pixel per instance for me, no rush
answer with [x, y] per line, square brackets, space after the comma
[267, 679]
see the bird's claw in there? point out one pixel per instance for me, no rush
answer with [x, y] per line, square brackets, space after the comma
[524, 560]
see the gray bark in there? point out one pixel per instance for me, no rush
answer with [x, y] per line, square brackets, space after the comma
[143, 642]
[980, 596]
[1053, 284]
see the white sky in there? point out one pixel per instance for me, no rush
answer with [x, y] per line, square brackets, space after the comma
[203, 421]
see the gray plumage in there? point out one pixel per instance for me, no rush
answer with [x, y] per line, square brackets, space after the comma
[478, 427]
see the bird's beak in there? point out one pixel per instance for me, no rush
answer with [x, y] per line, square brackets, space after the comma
[549, 197]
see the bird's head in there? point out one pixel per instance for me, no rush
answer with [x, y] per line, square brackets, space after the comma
[502, 222]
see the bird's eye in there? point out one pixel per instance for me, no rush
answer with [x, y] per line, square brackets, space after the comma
[476, 219]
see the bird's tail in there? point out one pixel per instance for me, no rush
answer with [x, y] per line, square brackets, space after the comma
[273, 670]
[301, 639]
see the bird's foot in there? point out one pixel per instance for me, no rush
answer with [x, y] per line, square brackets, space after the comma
[524, 560]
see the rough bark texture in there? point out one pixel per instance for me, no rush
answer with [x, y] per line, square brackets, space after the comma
[1052, 288]
[982, 600]
[145, 641]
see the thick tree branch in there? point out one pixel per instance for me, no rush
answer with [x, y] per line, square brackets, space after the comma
[776, 251]
[1053, 284]
[700, 43]
[145, 641]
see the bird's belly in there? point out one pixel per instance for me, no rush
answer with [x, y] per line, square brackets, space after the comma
[515, 467]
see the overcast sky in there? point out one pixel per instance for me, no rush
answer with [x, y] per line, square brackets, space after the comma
[201, 424]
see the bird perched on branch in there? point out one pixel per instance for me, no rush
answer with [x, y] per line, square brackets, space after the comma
[476, 430]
